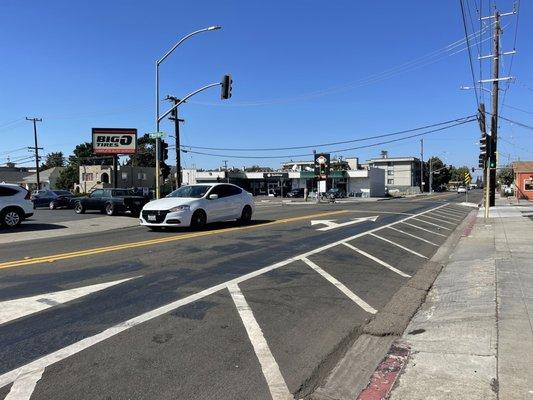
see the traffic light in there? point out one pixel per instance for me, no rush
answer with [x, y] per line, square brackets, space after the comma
[483, 149]
[163, 148]
[226, 87]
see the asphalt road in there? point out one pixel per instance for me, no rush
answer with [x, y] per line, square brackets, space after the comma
[227, 313]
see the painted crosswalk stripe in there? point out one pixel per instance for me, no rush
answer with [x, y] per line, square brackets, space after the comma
[454, 211]
[381, 262]
[339, 285]
[423, 229]
[399, 245]
[431, 223]
[17, 308]
[23, 387]
[413, 236]
[276, 384]
[439, 219]
[445, 215]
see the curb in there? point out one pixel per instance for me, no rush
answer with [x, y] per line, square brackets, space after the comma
[389, 369]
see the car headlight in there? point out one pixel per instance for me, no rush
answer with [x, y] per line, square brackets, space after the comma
[180, 208]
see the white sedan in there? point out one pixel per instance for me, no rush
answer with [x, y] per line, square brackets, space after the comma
[461, 189]
[198, 205]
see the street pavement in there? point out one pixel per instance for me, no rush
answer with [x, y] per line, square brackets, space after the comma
[231, 312]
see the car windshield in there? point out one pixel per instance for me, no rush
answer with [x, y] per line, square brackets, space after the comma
[196, 191]
[62, 193]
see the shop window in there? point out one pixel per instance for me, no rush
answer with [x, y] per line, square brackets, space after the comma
[528, 185]
[390, 181]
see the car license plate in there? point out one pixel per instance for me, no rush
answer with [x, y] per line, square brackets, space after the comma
[151, 218]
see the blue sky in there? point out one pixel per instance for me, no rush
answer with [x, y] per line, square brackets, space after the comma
[89, 64]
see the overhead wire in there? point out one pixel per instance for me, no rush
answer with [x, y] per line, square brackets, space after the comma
[330, 143]
[290, 156]
[514, 50]
[474, 83]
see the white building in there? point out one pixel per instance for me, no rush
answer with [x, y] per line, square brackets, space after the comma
[401, 173]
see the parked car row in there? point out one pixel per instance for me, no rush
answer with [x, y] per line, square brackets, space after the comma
[189, 206]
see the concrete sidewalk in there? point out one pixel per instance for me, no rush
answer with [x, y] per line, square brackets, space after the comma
[473, 336]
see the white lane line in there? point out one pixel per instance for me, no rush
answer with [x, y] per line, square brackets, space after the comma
[440, 220]
[399, 245]
[431, 223]
[447, 216]
[83, 344]
[423, 229]
[17, 308]
[24, 386]
[276, 384]
[381, 262]
[339, 285]
[414, 236]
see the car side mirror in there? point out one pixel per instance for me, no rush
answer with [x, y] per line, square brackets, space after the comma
[213, 196]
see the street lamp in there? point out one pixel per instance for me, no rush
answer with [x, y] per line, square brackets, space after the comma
[157, 119]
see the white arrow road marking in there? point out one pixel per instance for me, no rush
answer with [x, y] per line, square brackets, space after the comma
[331, 224]
[13, 309]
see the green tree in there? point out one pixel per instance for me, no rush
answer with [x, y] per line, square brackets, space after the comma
[145, 156]
[506, 175]
[441, 173]
[458, 174]
[68, 177]
[257, 168]
[54, 159]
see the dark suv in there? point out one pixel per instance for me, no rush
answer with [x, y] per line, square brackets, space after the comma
[296, 193]
[111, 201]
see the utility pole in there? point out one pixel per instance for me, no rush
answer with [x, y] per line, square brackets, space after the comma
[36, 148]
[494, 116]
[422, 165]
[174, 117]
[226, 170]
[430, 175]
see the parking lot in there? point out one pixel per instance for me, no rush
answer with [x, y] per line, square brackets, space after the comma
[259, 313]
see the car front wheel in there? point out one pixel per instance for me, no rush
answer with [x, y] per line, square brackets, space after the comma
[246, 215]
[52, 205]
[109, 209]
[198, 219]
[79, 208]
[11, 218]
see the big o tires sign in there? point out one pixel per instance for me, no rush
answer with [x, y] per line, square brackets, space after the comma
[114, 141]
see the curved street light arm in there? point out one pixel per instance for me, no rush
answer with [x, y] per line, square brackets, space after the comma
[186, 98]
[211, 28]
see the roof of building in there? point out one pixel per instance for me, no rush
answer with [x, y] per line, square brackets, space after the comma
[392, 159]
[43, 175]
[523, 166]
[12, 176]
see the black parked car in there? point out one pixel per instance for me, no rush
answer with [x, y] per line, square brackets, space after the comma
[52, 198]
[336, 193]
[296, 193]
[111, 201]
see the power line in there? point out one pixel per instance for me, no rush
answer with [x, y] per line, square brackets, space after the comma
[514, 49]
[474, 83]
[290, 156]
[331, 143]
[519, 109]
[516, 122]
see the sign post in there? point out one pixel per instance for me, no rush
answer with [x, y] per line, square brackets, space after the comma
[467, 179]
[322, 169]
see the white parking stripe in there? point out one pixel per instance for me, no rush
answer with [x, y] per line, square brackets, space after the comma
[431, 223]
[440, 220]
[446, 215]
[414, 236]
[90, 341]
[276, 384]
[423, 229]
[452, 210]
[386, 265]
[399, 245]
[356, 299]
[23, 387]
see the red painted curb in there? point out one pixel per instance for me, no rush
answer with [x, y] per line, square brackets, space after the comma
[387, 372]
[470, 226]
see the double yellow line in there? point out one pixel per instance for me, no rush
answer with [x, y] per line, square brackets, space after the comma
[143, 243]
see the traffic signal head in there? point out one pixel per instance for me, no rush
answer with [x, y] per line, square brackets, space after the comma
[163, 151]
[483, 145]
[226, 87]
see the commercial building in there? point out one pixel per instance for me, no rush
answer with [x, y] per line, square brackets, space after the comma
[298, 174]
[401, 173]
[523, 179]
[101, 176]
